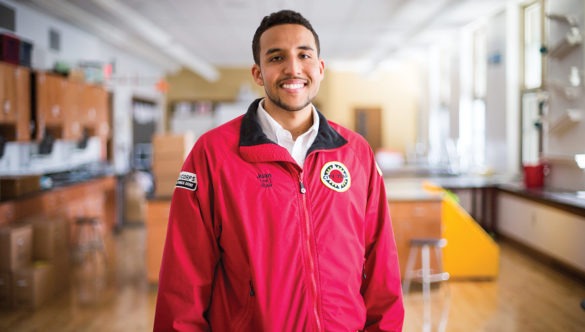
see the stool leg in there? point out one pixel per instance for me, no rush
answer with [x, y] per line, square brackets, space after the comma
[426, 283]
[409, 270]
[447, 298]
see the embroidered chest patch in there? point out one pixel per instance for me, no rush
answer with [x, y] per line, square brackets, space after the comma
[187, 181]
[335, 176]
[265, 180]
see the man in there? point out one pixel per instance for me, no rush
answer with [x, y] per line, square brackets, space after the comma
[279, 220]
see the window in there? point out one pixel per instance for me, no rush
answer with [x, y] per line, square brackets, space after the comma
[472, 117]
[532, 36]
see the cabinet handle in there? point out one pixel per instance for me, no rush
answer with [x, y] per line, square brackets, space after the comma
[55, 111]
[92, 114]
[7, 106]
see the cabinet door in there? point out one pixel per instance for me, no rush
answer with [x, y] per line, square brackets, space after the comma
[49, 102]
[552, 231]
[15, 101]
[8, 93]
[89, 107]
[95, 110]
[72, 112]
[22, 103]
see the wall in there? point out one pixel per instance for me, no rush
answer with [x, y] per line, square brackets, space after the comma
[560, 146]
[394, 90]
[186, 85]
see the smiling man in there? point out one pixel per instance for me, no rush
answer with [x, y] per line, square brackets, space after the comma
[279, 219]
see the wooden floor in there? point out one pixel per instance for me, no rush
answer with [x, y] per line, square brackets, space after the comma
[528, 296]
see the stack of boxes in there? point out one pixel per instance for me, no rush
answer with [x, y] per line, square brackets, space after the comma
[34, 262]
[168, 154]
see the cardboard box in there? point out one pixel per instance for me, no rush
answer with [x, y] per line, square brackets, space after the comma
[156, 232]
[32, 286]
[134, 201]
[164, 187]
[62, 272]
[15, 246]
[5, 290]
[17, 186]
[50, 237]
[176, 146]
[167, 167]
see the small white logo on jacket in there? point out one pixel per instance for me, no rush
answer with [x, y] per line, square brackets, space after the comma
[187, 181]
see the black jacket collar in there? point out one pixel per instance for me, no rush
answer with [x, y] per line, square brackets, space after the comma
[251, 133]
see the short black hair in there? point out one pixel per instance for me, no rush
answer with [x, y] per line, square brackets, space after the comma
[277, 18]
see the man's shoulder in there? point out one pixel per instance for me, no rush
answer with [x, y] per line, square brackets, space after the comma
[224, 135]
[226, 130]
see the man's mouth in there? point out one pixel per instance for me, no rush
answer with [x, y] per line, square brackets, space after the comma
[293, 85]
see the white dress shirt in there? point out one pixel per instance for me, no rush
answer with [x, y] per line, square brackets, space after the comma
[297, 148]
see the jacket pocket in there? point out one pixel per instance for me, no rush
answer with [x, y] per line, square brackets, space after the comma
[242, 321]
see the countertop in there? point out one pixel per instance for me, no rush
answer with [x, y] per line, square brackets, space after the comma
[70, 177]
[408, 190]
[572, 201]
[399, 184]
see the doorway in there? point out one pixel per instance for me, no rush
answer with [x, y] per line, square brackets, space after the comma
[368, 123]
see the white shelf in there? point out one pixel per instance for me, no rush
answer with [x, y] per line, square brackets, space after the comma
[568, 91]
[564, 122]
[572, 39]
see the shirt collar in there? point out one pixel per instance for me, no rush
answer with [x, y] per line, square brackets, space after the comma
[273, 130]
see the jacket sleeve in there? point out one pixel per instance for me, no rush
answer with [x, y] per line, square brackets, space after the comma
[190, 253]
[381, 287]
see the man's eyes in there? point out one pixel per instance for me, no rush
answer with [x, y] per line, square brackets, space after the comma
[280, 58]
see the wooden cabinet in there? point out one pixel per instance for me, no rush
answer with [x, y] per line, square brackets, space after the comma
[414, 219]
[548, 230]
[157, 216]
[15, 102]
[94, 198]
[65, 109]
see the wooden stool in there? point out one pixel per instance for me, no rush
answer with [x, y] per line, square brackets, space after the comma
[425, 275]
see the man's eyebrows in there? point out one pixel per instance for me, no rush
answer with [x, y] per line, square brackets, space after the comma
[276, 49]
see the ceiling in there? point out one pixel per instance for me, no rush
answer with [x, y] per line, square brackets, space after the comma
[203, 35]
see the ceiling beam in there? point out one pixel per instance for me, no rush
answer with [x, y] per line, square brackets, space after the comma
[158, 38]
[105, 31]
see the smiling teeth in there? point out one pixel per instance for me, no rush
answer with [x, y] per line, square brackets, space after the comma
[293, 86]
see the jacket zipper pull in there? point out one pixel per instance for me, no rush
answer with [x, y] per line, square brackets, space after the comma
[303, 189]
[252, 293]
[301, 184]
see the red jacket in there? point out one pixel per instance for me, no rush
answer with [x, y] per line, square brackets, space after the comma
[255, 243]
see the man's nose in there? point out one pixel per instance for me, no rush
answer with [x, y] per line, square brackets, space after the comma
[292, 66]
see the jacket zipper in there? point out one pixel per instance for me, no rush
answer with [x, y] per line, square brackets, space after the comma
[245, 317]
[309, 250]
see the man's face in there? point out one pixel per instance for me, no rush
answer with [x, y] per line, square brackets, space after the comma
[290, 68]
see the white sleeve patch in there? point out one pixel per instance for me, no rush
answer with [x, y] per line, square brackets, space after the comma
[187, 181]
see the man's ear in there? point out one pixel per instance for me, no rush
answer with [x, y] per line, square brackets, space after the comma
[257, 75]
